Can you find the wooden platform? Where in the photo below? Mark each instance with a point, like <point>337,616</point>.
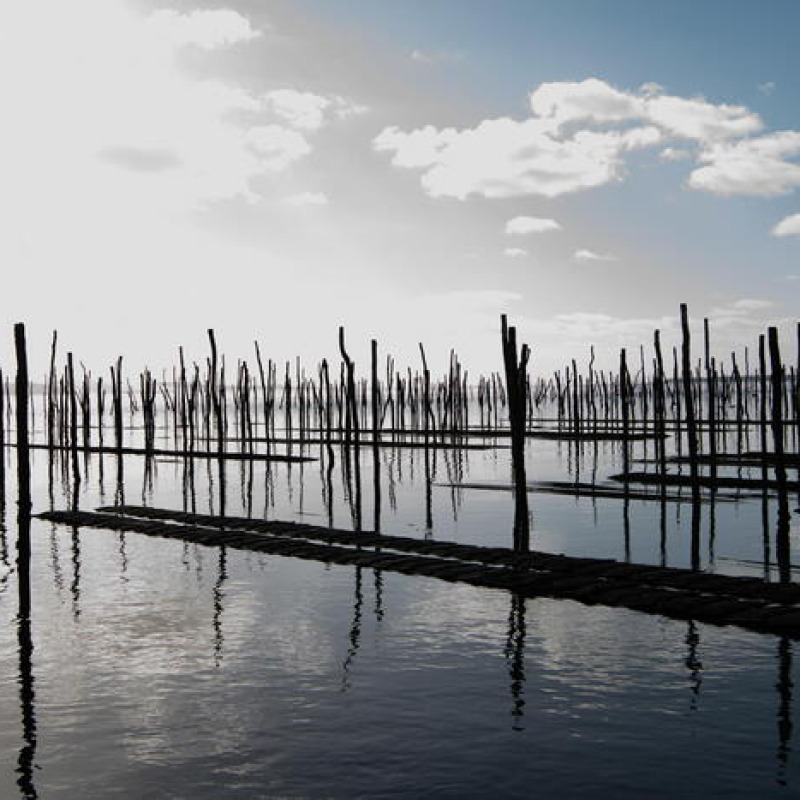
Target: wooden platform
<point>678,593</point>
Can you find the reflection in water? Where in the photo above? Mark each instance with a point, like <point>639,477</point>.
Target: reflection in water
<point>25,762</point>
<point>123,556</point>
<point>189,494</point>
<point>784,687</point>
<point>429,478</point>
<point>75,586</point>
<point>355,631</point>
<point>328,486</point>
<point>695,536</point>
<point>376,488</point>
<point>693,664</point>
<point>119,492</point>
<point>223,489</point>
<point>27,753</point>
<point>515,658</point>
<point>712,525</point>
<point>394,461</point>
<point>626,524</point>
<point>3,539</point>
<point>378,594</point>
<point>765,531</point>
<point>219,596</point>
<point>782,547</point>
<point>55,560</point>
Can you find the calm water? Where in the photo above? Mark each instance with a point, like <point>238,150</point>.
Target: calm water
<point>164,670</point>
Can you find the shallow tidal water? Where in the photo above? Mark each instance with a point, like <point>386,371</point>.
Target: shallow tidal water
<point>158,669</point>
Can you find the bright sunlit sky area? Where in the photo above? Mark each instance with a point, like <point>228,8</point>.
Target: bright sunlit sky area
<point>276,168</point>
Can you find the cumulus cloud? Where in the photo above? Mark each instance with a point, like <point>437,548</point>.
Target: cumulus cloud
<point>590,255</point>
<point>515,252</point>
<point>208,30</point>
<point>788,227</point>
<point>592,99</point>
<point>578,137</point>
<point>506,158</point>
<point>750,166</point>
<point>524,225</point>
<point>697,119</point>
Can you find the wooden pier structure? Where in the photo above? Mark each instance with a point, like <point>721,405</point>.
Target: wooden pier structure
<point>746,602</point>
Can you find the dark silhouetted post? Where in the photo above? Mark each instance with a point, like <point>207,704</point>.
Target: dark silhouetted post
<point>516,384</point>
<point>776,369</point>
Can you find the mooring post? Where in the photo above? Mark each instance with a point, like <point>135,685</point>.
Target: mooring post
<point>625,409</point>
<point>23,474</point>
<point>711,394</point>
<point>25,639</point>
<point>516,384</point>
<point>21,409</point>
<point>777,382</point>
<point>689,416</point>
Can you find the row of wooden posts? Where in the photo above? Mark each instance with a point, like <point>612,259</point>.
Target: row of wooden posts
<point>200,408</point>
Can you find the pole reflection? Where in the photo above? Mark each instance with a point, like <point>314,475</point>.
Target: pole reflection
<point>784,687</point>
<point>515,660</point>
<point>219,597</point>
<point>693,664</point>
<point>355,630</point>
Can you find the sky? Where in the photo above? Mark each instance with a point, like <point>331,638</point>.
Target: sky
<point>274,169</point>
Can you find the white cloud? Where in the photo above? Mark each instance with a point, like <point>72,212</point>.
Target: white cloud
<point>590,255</point>
<point>569,144</point>
<point>767,88</point>
<point>304,110</point>
<point>506,158</point>
<point>750,166</point>
<point>788,227</point>
<point>697,119</point>
<point>591,99</point>
<point>524,225</point>
<point>515,252</point>
<point>208,30</point>
<point>419,148</point>
<point>308,111</point>
<point>308,199</point>
<point>671,154</point>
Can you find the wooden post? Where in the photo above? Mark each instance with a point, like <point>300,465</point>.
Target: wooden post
<point>712,400</point>
<point>689,416</point>
<point>777,383</point>
<point>21,409</point>
<point>516,384</point>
